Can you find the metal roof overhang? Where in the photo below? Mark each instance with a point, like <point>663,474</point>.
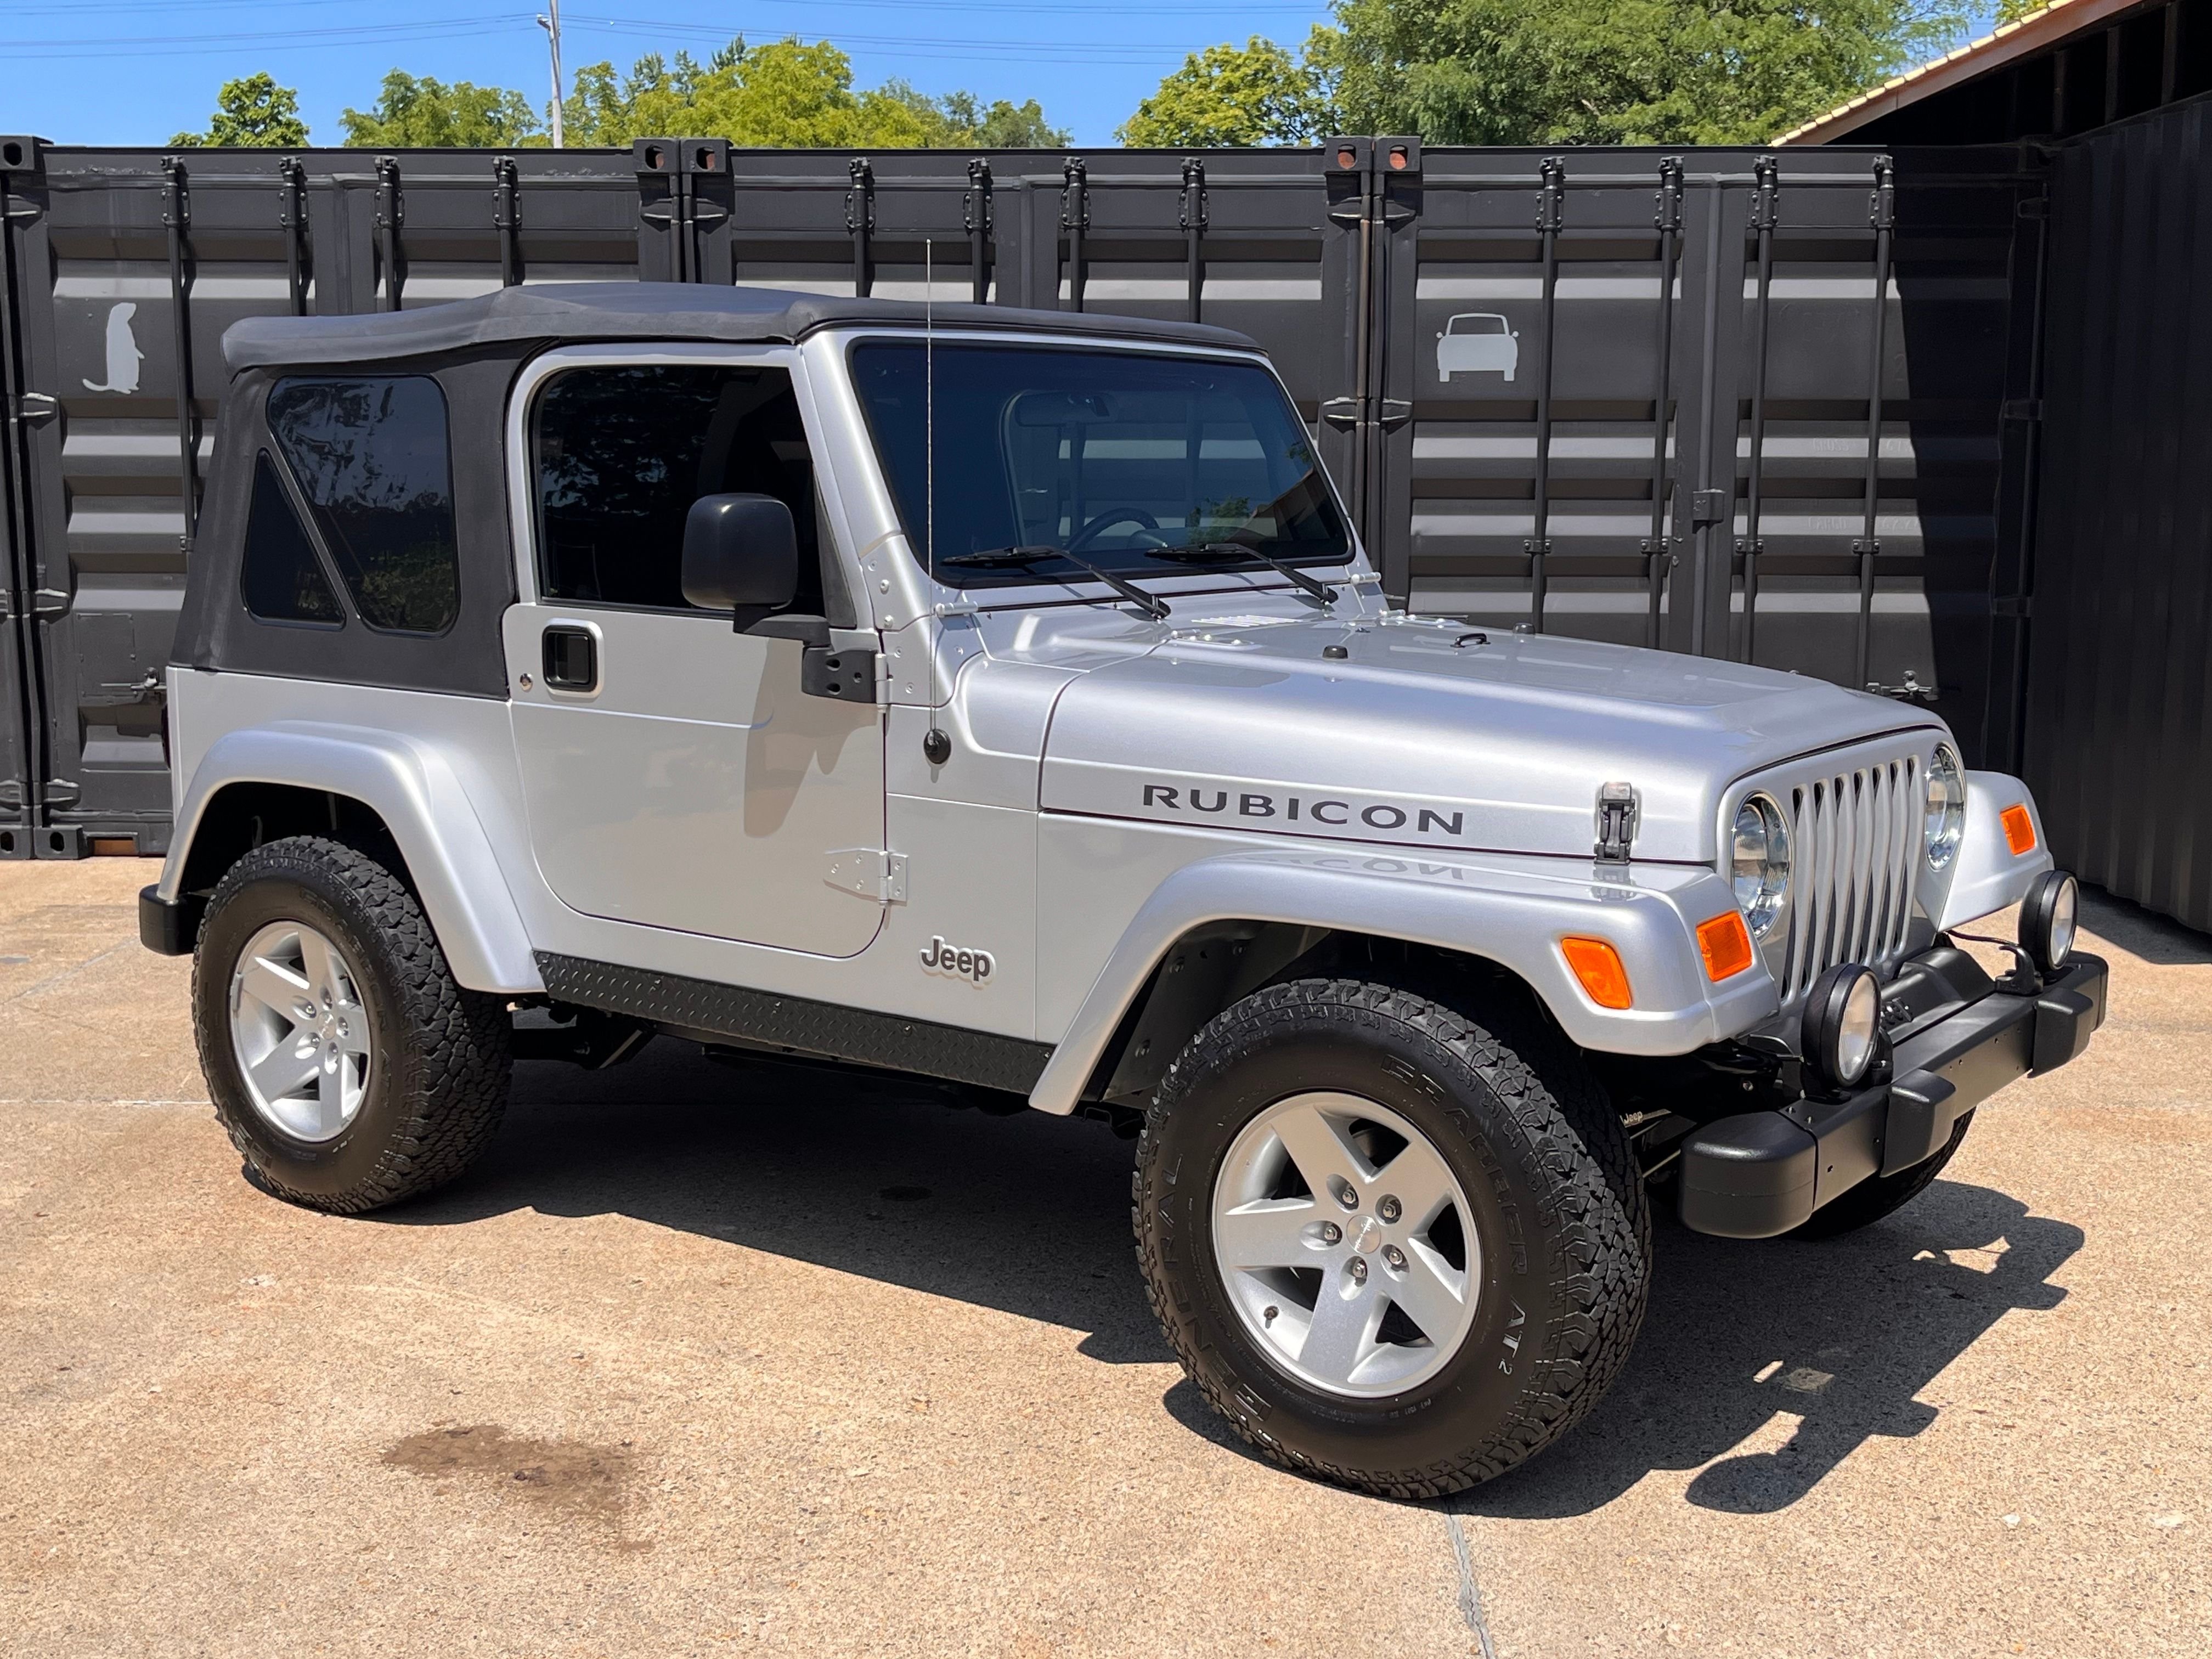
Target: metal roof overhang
<point>2033,33</point>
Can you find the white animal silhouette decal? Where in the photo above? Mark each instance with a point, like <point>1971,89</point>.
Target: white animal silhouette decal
<point>122,353</point>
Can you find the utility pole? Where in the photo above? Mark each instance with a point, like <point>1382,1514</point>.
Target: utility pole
<point>552,27</point>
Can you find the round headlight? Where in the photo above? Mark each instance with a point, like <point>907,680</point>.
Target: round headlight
<point>2046,920</point>
<point>1842,1020</point>
<point>1758,854</point>
<point>1947,809</point>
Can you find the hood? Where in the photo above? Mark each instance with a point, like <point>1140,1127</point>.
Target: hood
<point>1432,733</point>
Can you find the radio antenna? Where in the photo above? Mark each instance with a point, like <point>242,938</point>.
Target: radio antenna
<point>929,404</point>
<point>936,747</point>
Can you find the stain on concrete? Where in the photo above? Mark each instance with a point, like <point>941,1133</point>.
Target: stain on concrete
<point>573,1478</point>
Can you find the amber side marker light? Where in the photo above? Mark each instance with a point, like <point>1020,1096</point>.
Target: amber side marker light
<point>1597,966</point>
<point>2019,829</point>
<point>1725,944</point>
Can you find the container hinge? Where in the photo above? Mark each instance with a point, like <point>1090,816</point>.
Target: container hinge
<point>1397,412</point>
<point>1617,812</point>
<point>870,871</point>
<point>1342,411</point>
<point>2019,605</point>
<point>61,792</point>
<point>1708,507</point>
<point>49,601</point>
<point>2022,408</point>
<point>1766,196</point>
<point>35,407</point>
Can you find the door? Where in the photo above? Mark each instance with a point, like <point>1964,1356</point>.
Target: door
<point>674,773</point>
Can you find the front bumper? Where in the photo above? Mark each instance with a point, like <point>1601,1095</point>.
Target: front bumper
<point>1959,1037</point>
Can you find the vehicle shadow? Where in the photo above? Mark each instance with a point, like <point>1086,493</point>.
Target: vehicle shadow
<point>1029,1214</point>
<point>1843,1335</point>
<point>868,1176</point>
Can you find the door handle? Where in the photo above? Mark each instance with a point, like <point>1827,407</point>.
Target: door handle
<point>571,659</point>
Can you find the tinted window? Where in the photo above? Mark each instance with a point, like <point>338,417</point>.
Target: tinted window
<point>281,579</point>
<point>1138,463</point>
<point>370,456</point>
<point>621,453</point>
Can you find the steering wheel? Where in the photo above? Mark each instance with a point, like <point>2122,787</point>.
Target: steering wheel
<point>1108,519</point>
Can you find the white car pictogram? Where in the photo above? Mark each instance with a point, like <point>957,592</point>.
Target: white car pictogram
<point>1476,343</point>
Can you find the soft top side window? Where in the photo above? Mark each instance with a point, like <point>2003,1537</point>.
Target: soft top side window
<point>620,454</point>
<point>371,456</point>
<point>280,578</point>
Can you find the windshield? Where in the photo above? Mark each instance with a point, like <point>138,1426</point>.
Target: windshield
<point>1142,465</point>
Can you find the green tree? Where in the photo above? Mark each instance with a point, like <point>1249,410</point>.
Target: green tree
<point>253,111</point>
<point>1226,96</point>
<point>787,95</point>
<point>1549,72</point>
<point>1614,72</point>
<point>415,113</point>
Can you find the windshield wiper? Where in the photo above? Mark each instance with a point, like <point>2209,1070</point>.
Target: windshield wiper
<point>1207,551</point>
<point>1019,557</point>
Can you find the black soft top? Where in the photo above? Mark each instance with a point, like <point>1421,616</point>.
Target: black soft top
<point>628,311</point>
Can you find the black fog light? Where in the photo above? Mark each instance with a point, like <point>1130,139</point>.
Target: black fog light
<point>2046,920</point>
<point>1843,1024</point>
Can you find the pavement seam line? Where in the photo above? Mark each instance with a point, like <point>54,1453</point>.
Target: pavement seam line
<point>70,973</point>
<point>1470,1597</point>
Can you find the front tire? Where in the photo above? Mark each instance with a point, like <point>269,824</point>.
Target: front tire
<point>349,1068</point>
<point>1406,1343</point>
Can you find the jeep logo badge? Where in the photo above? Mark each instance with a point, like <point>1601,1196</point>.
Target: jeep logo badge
<point>972,965</point>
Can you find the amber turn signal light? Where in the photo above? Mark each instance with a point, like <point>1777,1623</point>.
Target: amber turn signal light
<point>2019,829</point>
<point>1597,967</point>
<point>1725,944</point>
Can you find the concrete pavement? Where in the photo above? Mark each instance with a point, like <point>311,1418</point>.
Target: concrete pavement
<point>702,1360</point>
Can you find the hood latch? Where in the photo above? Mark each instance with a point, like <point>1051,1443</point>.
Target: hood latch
<point>1616,821</point>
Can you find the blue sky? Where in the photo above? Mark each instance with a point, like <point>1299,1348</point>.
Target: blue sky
<point>135,71</point>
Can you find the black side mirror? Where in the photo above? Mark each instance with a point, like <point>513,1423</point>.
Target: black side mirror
<point>740,552</point>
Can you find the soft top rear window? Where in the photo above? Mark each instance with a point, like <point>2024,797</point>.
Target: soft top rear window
<point>370,455</point>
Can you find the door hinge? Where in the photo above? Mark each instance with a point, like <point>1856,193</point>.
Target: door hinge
<point>870,871</point>
<point>846,673</point>
<point>1616,821</point>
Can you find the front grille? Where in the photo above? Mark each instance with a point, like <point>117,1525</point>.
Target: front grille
<point>1856,839</point>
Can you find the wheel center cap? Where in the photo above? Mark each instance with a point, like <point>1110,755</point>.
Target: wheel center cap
<point>1367,1234</point>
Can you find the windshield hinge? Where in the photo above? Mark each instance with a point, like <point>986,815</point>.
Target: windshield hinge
<point>870,871</point>
<point>1616,821</point>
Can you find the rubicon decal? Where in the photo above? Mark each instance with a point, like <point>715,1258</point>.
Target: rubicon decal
<point>1363,818</point>
<point>957,961</point>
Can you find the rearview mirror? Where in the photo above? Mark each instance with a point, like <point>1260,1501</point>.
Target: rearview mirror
<point>740,552</point>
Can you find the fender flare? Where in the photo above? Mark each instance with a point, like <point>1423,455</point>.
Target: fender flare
<point>1512,911</point>
<point>1988,875</point>
<point>414,789</point>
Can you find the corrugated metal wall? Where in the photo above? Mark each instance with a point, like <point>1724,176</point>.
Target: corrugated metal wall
<point>1726,402</point>
<point>2119,679</point>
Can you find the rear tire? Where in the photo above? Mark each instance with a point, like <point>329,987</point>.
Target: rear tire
<point>349,1069</point>
<point>1877,1196</point>
<point>1549,1256</point>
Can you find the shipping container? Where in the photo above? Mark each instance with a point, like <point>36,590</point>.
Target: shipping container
<point>1733,403</point>
<point>2119,701</point>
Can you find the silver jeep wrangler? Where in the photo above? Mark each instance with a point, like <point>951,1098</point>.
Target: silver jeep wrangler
<point>1001,696</point>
